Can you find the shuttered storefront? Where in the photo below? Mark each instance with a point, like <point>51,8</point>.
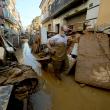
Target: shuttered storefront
<point>77,18</point>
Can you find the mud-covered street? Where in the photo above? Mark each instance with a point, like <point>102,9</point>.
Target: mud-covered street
<point>54,55</point>
<point>67,96</point>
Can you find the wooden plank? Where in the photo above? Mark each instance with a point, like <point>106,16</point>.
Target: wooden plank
<point>78,27</point>
<point>51,32</point>
<point>2,79</point>
<point>25,104</point>
<point>3,43</point>
<point>11,44</point>
<point>5,93</point>
<point>2,57</point>
<point>40,34</point>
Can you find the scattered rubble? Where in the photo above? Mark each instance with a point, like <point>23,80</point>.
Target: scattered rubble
<point>82,85</point>
<point>23,78</point>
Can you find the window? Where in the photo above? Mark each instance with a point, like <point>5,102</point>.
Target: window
<point>49,27</point>
<point>58,2</point>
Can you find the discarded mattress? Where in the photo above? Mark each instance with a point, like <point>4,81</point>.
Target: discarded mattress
<point>93,61</point>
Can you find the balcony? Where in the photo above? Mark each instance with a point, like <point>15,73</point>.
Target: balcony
<point>8,16</point>
<point>46,16</point>
<point>9,3</point>
<point>60,6</point>
<point>14,2</point>
<point>14,13</point>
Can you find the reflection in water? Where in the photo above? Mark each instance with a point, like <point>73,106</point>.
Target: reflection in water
<point>25,57</point>
<point>67,96</point>
<point>44,105</point>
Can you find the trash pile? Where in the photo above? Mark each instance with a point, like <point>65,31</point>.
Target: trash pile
<point>51,34</point>
<point>25,36</point>
<point>22,77</point>
<point>88,48</point>
<point>93,54</point>
<point>32,38</point>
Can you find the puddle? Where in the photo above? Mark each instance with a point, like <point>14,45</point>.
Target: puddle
<point>34,103</point>
<point>67,96</point>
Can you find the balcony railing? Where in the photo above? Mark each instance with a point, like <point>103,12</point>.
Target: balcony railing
<point>9,2</point>
<point>46,15</point>
<point>9,16</point>
<point>59,5</point>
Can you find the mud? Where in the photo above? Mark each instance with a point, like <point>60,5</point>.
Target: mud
<point>67,96</point>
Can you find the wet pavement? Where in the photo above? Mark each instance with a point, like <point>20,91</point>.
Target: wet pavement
<point>67,96</point>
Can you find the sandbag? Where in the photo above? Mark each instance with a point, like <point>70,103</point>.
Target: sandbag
<point>93,61</point>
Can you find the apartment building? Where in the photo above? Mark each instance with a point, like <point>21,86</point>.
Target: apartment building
<point>34,27</point>
<point>46,20</point>
<point>36,23</point>
<point>11,16</point>
<point>104,12</point>
<point>66,12</point>
<point>11,20</point>
<point>1,14</point>
<point>56,13</point>
<point>8,15</point>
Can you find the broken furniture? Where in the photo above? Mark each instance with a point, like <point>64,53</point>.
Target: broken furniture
<point>44,62</point>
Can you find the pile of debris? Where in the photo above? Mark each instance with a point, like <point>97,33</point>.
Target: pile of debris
<point>25,36</point>
<point>93,54</point>
<point>32,38</point>
<point>37,47</point>
<point>88,47</point>
<point>22,78</point>
<point>51,34</point>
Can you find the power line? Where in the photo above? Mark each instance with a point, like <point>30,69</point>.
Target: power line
<point>27,6</point>
<point>25,16</point>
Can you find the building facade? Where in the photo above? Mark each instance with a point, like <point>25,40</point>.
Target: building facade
<point>46,20</point>
<point>65,12</point>
<point>1,14</point>
<point>11,16</point>
<point>11,21</point>
<point>34,27</point>
<point>36,23</point>
<point>104,12</point>
<point>70,12</point>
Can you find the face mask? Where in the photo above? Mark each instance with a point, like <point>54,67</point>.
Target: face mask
<point>63,35</point>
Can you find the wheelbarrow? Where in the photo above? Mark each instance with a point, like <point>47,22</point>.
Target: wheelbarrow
<point>44,62</point>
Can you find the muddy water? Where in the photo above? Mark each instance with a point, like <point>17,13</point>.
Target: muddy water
<point>67,96</point>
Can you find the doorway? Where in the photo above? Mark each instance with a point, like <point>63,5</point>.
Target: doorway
<point>49,27</point>
<point>57,28</point>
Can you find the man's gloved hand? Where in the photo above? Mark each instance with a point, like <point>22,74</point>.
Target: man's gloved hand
<point>52,51</point>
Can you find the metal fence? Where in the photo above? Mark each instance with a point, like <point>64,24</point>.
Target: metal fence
<point>57,4</point>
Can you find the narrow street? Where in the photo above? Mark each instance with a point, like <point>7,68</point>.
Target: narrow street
<point>54,55</point>
<point>67,96</point>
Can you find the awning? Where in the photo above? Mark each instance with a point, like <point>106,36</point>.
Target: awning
<point>16,26</point>
<point>14,12</point>
<point>14,2</point>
